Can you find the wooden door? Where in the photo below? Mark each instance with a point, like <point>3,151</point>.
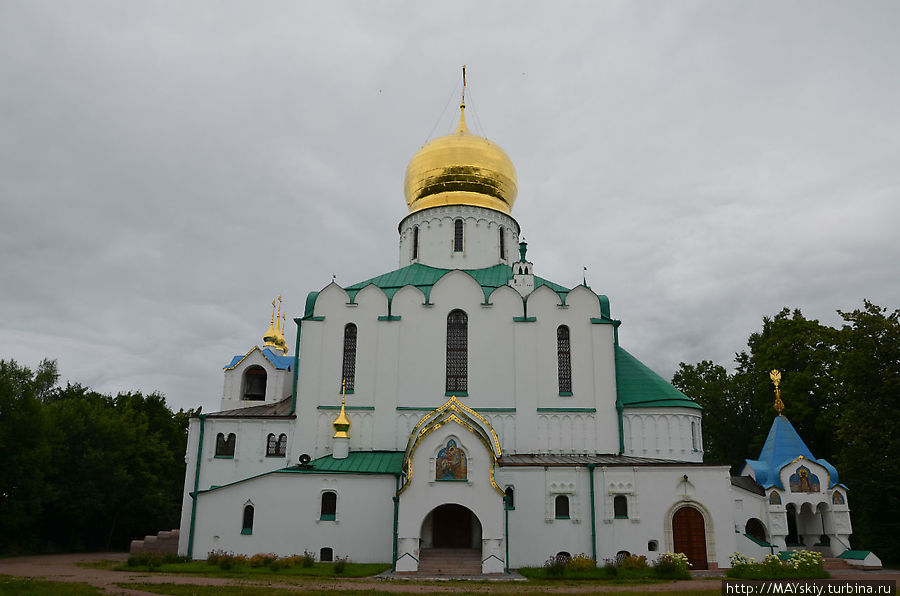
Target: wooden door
<point>452,527</point>
<point>689,534</point>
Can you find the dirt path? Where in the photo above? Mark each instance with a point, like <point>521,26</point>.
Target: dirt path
<point>65,568</point>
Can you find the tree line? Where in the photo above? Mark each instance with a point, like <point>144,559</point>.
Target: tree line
<point>841,389</point>
<point>82,470</point>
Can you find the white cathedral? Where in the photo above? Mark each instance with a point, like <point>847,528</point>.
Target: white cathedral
<point>462,408</point>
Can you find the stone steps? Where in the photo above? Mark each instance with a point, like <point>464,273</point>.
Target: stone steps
<point>449,562</point>
<point>164,542</point>
<point>837,563</point>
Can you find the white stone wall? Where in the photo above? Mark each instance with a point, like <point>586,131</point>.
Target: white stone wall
<point>286,517</point>
<point>481,238</point>
<point>663,433</point>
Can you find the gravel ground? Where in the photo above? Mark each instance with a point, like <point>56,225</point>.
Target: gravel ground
<point>65,568</point>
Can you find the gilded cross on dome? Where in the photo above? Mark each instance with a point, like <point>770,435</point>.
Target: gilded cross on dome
<point>775,375</point>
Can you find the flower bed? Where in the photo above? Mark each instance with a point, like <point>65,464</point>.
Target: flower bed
<point>802,564</point>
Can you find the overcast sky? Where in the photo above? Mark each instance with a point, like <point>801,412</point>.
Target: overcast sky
<point>167,168</point>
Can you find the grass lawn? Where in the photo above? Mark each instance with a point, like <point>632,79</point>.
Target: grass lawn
<point>482,588</point>
<point>23,586</point>
<point>317,570</point>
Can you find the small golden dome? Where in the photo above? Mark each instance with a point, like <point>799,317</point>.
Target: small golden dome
<point>271,336</point>
<point>342,423</point>
<point>461,169</point>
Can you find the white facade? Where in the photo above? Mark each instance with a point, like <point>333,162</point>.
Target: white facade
<point>469,380</point>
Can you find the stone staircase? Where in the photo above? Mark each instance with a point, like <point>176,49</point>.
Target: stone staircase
<point>163,543</point>
<point>449,562</point>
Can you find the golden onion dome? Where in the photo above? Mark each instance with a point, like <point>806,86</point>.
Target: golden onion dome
<point>461,169</point>
<point>342,423</point>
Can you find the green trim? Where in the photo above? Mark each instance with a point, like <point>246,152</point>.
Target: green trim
<point>451,479</point>
<point>327,517</point>
<point>389,318</point>
<point>524,319</point>
<point>565,394</point>
<point>620,517</point>
<point>310,304</point>
<point>396,499</point>
<point>593,513</point>
<point>223,457</point>
<point>562,517</point>
<point>347,391</point>
<point>494,409</point>
<point>190,551</point>
<point>296,369</point>
<point>856,555</point>
<point>604,321</point>
<point>563,410</point>
<point>759,542</point>
<point>246,531</point>
<point>619,410</point>
<point>351,408</point>
<point>322,318</point>
<point>456,393</point>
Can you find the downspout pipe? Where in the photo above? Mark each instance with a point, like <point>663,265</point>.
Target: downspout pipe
<point>396,520</point>
<point>194,495</point>
<point>506,531</point>
<point>593,514</point>
<point>296,368</point>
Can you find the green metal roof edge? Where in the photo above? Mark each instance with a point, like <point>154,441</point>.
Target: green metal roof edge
<point>396,464</point>
<point>310,304</point>
<point>856,555</point>
<point>639,387</point>
<point>758,541</point>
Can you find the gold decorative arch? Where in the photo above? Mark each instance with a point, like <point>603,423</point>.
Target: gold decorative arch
<point>453,411</point>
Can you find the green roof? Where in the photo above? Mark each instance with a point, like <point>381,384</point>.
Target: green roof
<point>856,555</point>
<point>356,462</point>
<point>424,278</point>
<point>640,387</point>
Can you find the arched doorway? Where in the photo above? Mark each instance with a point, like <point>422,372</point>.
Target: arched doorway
<point>451,526</point>
<point>689,536</point>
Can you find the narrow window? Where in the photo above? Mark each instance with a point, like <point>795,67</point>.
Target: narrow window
<point>620,507</point>
<point>271,445</point>
<point>247,524</point>
<point>562,507</point>
<point>457,352</point>
<point>348,373</point>
<point>254,383</point>
<point>415,246</point>
<point>458,235</point>
<point>282,444</point>
<point>694,441</point>
<point>326,554</point>
<point>510,498</point>
<point>564,360</point>
<point>329,505</point>
<point>502,244</point>
<point>225,445</point>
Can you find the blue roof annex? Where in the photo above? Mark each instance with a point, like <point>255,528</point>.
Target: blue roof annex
<point>783,445</point>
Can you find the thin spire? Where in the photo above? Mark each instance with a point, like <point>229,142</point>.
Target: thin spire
<point>342,424</point>
<point>775,375</point>
<point>462,106</point>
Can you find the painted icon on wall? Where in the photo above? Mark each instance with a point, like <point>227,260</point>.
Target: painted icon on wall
<point>837,498</point>
<point>774,498</point>
<point>451,462</point>
<point>803,481</point>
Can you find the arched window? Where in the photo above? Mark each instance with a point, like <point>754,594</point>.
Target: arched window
<point>282,444</point>
<point>561,506</point>
<point>415,243</point>
<point>458,235</point>
<point>620,507</point>
<point>502,244</point>
<point>329,505</point>
<point>326,554</point>
<point>254,388</point>
<point>225,445</point>
<point>564,360</point>
<point>247,523</point>
<point>276,447</point>
<point>756,529</point>
<point>510,500</point>
<point>694,442</point>
<point>457,352</point>
<point>348,372</point>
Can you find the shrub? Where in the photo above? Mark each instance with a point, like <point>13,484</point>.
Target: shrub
<point>634,563</point>
<point>672,566</point>
<point>261,559</point>
<point>340,564</point>
<point>307,559</point>
<point>276,564</point>
<point>214,555</point>
<point>610,569</point>
<point>556,565</point>
<point>795,565</point>
<point>580,563</point>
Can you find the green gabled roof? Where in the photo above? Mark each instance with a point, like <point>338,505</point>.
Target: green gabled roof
<point>424,278</point>
<point>639,387</point>
<point>356,462</point>
<point>856,555</point>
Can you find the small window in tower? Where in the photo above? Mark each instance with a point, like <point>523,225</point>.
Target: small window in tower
<point>282,444</point>
<point>329,505</point>
<point>620,507</point>
<point>561,506</point>
<point>254,383</point>
<point>564,360</point>
<point>271,445</point>
<point>457,352</point>
<point>415,244</point>
<point>502,244</point>
<point>247,524</point>
<point>348,373</point>
<point>458,235</point>
<point>694,439</point>
<point>225,445</point>
<point>510,499</point>
<point>326,554</point>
